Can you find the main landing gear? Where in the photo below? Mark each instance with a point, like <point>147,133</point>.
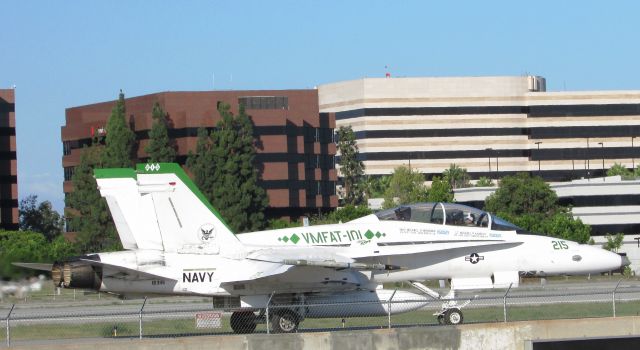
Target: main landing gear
<point>243,322</point>
<point>280,321</point>
<point>450,312</point>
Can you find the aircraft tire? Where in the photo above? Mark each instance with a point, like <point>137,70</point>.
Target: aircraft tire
<point>285,321</point>
<point>453,316</point>
<point>243,322</point>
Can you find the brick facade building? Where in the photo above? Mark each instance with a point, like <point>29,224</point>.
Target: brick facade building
<point>295,153</point>
<point>8,161</point>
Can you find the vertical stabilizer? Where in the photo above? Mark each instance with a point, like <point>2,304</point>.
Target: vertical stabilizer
<point>160,206</point>
<point>120,189</point>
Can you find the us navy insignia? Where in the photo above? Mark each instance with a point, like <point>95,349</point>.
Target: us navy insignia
<point>474,258</point>
<point>207,232</point>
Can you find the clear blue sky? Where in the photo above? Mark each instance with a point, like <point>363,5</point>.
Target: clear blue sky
<point>61,54</point>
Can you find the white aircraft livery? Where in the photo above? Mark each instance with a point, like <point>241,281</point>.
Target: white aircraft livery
<point>176,243</point>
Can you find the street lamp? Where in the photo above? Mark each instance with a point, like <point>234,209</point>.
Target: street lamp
<point>602,151</point>
<point>489,150</point>
<point>538,155</point>
<point>633,159</point>
<point>587,160</point>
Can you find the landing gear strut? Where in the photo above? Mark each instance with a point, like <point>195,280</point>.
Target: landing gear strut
<point>450,312</point>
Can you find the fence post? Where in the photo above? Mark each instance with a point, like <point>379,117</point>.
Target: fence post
<point>613,297</point>
<point>140,319</point>
<point>8,327</point>
<point>266,314</point>
<point>504,302</point>
<point>389,306</point>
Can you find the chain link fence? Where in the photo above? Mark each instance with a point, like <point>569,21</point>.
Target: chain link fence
<point>171,317</point>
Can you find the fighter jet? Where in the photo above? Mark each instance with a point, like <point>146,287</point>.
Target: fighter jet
<point>176,243</point>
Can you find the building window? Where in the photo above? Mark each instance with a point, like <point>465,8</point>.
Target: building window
<point>68,172</point>
<point>264,102</point>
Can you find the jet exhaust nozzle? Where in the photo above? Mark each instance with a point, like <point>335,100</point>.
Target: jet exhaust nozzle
<point>76,273</point>
<point>56,274</point>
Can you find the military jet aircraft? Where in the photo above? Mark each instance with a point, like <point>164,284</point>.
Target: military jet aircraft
<point>176,243</point>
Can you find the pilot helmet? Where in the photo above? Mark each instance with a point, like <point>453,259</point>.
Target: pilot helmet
<point>468,217</point>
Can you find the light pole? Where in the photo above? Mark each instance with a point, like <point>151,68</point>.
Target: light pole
<point>587,159</point>
<point>633,159</point>
<point>538,155</point>
<point>489,151</point>
<point>602,151</point>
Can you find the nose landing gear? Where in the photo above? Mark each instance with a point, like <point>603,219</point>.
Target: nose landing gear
<point>450,312</point>
<point>450,316</point>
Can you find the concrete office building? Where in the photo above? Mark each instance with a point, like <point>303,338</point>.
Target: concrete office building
<point>295,153</point>
<point>492,126</point>
<point>496,126</point>
<point>8,161</point>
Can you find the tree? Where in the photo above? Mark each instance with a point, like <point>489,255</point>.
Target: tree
<point>20,246</point>
<point>530,203</point>
<point>87,210</point>
<point>375,187</point>
<point>120,139</point>
<point>160,147</point>
<point>614,242</point>
<point>405,185</point>
<point>456,176</point>
<point>563,225</point>
<point>201,164</point>
<point>523,194</point>
<point>29,246</point>
<point>619,169</point>
<point>440,191</point>
<point>484,181</point>
<point>223,168</point>
<point>344,214</point>
<point>40,217</point>
<point>351,168</point>
<point>276,224</point>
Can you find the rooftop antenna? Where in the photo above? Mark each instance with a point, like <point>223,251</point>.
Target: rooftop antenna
<point>214,80</point>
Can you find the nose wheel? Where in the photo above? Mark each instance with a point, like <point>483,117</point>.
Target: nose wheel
<point>450,312</point>
<point>451,316</point>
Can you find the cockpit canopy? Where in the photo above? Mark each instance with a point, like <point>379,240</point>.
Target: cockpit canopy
<point>446,214</point>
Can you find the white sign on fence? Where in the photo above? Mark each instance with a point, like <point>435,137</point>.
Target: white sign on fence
<point>209,319</point>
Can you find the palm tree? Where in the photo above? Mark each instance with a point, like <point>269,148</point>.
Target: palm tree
<point>456,176</point>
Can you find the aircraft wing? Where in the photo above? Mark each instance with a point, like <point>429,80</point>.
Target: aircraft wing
<point>424,248</point>
<point>34,266</point>
<point>366,257</point>
<point>125,272</point>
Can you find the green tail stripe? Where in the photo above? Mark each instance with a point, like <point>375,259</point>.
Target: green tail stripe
<point>160,168</point>
<point>114,173</point>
